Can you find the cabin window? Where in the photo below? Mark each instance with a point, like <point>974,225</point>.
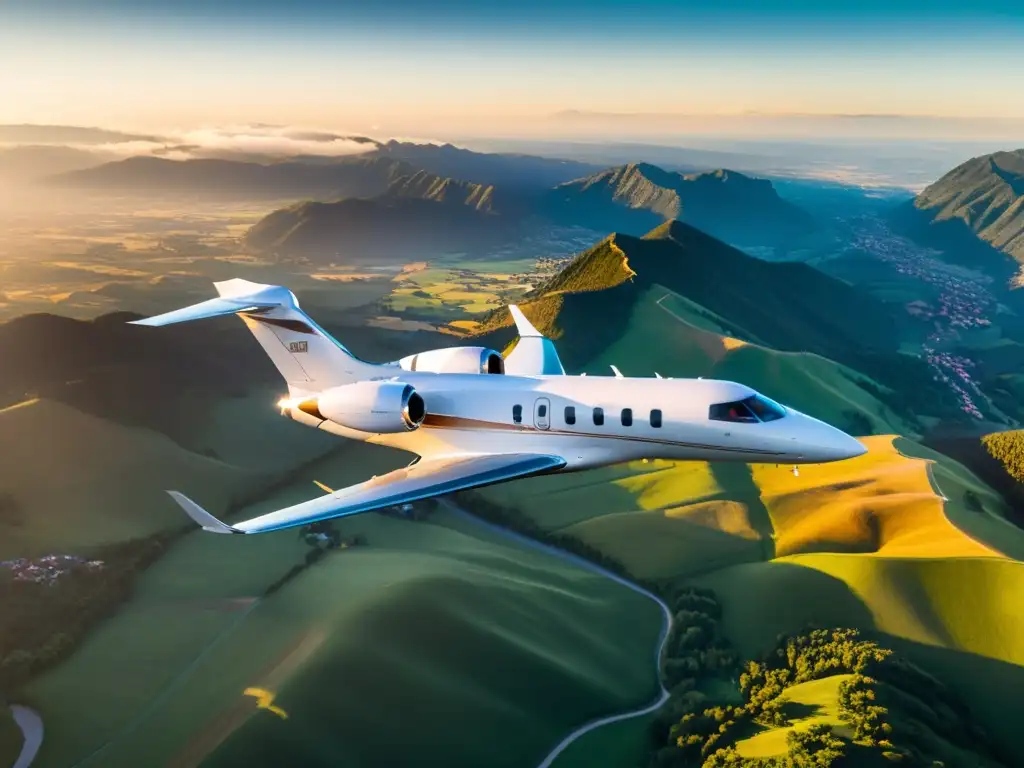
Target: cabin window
<point>752,409</point>
<point>570,414</point>
<point>656,418</point>
<point>598,417</point>
<point>517,414</point>
<point>542,411</point>
<point>627,417</point>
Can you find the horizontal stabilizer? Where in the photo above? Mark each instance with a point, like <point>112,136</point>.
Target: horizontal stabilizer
<point>425,478</point>
<point>202,310</point>
<point>235,296</point>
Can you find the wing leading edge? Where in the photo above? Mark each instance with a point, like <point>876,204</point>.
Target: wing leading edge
<point>425,478</point>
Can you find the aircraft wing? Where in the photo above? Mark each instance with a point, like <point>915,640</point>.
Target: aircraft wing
<point>421,480</point>
<point>535,354</point>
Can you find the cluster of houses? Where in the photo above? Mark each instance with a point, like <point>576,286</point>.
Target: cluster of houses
<point>962,304</point>
<point>47,569</point>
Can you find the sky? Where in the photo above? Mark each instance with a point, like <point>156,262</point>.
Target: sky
<point>560,68</point>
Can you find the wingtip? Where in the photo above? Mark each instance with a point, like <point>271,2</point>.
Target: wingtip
<point>199,515</point>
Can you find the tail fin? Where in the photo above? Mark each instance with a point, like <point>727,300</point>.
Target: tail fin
<point>309,359</point>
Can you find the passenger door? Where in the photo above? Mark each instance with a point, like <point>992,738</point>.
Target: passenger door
<point>542,413</point>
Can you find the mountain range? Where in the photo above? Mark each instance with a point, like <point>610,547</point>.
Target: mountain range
<point>309,175</point>
<point>973,210</point>
<point>634,198</point>
<point>428,214</point>
<point>354,175</point>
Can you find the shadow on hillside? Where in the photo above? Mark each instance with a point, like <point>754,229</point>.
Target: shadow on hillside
<point>798,710</point>
<point>762,601</point>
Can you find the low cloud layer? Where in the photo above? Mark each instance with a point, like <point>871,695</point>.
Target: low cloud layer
<point>268,140</point>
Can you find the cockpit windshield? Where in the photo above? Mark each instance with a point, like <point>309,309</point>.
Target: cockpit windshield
<point>753,409</point>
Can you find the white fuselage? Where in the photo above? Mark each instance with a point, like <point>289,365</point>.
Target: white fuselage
<point>503,414</point>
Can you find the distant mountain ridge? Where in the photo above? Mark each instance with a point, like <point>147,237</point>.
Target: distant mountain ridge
<point>308,175</point>
<point>629,199</point>
<point>979,203</point>
<point>635,197</point>
<point>353,175</point>
<point>428,186</point>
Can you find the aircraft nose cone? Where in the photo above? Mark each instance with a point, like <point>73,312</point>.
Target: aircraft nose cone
<point>850,447</point>
<point>823,442</point>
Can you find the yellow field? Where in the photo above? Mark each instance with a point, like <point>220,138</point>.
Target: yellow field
<point>880,503</point>
<point>821,700</point>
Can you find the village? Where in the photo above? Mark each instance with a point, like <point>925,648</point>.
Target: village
<point>963,303</point>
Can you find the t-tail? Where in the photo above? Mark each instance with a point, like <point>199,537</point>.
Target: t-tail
<point>309,358</point>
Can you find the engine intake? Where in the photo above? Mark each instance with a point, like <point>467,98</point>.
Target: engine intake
<point>370,406</point>
<point>456,360</point>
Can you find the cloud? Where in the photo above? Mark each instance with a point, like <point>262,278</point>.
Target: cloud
<point>263,140</point>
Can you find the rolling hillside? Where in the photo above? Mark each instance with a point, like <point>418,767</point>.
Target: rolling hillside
<point>637,197</point>
<point>888,542</point>
<point>71,481</point>
<point>611,303</point>
<point>480,651</point>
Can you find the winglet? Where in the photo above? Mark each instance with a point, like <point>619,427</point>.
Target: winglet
<point>524,326</point>
<point>200,515</point>
<point>617,372</point>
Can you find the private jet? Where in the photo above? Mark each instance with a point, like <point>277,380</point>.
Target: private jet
<point>473,417</point>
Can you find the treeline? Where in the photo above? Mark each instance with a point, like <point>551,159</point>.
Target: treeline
<point>42,621</point>
<point>316,534</point>
<point>894,711</point>
<point>514,520</point>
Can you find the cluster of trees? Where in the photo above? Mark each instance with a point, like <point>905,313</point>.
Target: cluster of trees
<point>892,709</point>
<point>42,621</point>
<point>815,747</point>
<point>514,520</point>
<point>1008,449</point>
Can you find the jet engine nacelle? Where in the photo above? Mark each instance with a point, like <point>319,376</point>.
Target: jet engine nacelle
<point>455,360</point>
<point>370,406</point>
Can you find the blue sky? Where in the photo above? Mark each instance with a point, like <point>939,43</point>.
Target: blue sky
<point>416,67</point>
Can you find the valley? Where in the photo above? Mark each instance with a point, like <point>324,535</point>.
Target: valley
<point>474,646</point>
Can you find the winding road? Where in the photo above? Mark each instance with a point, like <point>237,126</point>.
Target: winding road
<point>31,725</point>
<point>666,626</point>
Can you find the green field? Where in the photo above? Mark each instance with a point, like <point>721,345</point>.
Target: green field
<point>625,743</point>
<point>477,650</point>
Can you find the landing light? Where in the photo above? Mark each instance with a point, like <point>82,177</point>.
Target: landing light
<point>286,403</point>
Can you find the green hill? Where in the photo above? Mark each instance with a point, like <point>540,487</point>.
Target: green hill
<point>626,293</point>
<point>436,643</point>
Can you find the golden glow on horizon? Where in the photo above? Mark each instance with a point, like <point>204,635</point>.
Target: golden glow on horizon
<point>435,90</point>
